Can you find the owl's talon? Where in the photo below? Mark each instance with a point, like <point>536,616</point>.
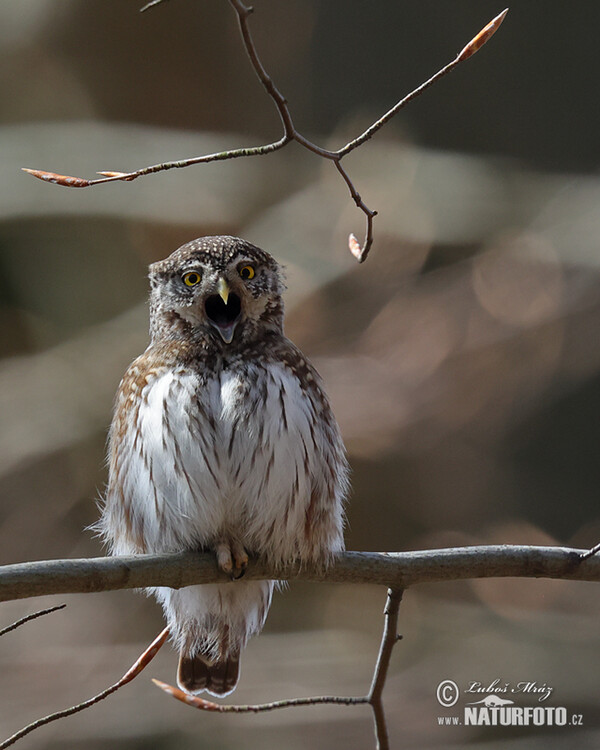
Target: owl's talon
<point>240,558</point>
<point>232,558</point>
<point>224,559</point>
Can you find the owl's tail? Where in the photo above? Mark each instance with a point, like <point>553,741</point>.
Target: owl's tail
<point>210,625</point>
<point>198,673</point>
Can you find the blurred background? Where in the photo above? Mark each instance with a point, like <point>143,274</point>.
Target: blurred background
<point>462,358</point>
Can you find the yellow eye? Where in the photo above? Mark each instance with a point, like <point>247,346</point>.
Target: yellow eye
<point>247,272</point>
<point>192,278</point>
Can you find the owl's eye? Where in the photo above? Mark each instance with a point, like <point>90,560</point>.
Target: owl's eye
<point>247,272</point>
<point>192,278</point>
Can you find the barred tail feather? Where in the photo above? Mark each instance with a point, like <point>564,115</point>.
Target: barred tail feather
<point>198,673</point>
<point>210,624</point>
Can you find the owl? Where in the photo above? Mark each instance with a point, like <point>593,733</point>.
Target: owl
<point>222,440</point>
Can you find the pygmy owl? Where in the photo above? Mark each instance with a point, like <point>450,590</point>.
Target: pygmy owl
<point>222,439</point>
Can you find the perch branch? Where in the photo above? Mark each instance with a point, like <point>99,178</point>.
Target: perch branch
<point>32,616</point>
<point>396,570</point>
<point>131,673</point>
<point>290,133</point>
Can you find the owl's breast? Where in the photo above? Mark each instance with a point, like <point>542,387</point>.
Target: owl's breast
<point>237,451</point>
<point>281,451</point>
<point>267,425</point>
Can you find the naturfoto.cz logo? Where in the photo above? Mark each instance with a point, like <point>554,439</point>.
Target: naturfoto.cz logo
<point>495,710</point>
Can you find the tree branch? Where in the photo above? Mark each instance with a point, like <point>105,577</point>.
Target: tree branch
<point>257,708</point>
<point>290,133</point>
<point>388,640</point>
<point>591,552</point>
<point>396,570</point>
<point>470,49</point>
<point>131,673</point>
<point>30,617</point>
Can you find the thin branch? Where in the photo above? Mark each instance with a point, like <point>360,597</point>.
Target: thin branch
<point>243,12</point>
<point>204,705</point>
<point>131,673</point>
<point>151,4</point>
<point>80,182</point>
<point>33,616</point>
<point>290,133</point>
<point>396,570</point>
<point>359,252</point>
<point>473,46</point>
<point>591,552</point>
<point>388,641</point>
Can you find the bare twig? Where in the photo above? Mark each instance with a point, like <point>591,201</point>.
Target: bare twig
<point>388,641</point>
<point>396,570</point>
<point>131,673</point>
<point>33,616</point>
<point>204,705</point>
<point>590,552</point>
<point>243,12</point>
<point>151,4</point>
<point>290,133</point>
<point>473,46</point>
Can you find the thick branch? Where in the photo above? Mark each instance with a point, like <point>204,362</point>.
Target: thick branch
<point>396,570</point>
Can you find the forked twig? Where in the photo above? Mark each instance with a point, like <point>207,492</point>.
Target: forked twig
<point>33,616</point>
<point>374,698</point>
<point>290,133</point>
<point>131,673</point>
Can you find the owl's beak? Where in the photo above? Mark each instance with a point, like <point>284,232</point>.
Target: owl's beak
<point>223,310</point>
<point>223,289</point>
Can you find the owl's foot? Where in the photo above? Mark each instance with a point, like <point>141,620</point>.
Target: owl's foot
<point>232,558</point>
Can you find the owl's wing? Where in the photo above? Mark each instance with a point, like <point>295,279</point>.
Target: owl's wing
<point>327,466</point>
<point>120,525</point>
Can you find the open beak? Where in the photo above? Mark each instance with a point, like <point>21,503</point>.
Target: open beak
<point>223,310</point>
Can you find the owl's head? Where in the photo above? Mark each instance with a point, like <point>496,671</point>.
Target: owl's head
<point>220,289</point>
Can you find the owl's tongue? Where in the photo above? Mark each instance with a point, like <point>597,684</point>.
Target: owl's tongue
<point>223,317</point>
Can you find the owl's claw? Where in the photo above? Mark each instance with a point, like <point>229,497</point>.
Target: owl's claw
<point>240,560</point>
<point>232,558</point>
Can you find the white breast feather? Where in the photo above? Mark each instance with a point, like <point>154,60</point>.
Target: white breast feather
<point>220,457</point>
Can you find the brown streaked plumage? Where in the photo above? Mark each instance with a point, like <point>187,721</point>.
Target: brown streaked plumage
<point>222,439</point>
